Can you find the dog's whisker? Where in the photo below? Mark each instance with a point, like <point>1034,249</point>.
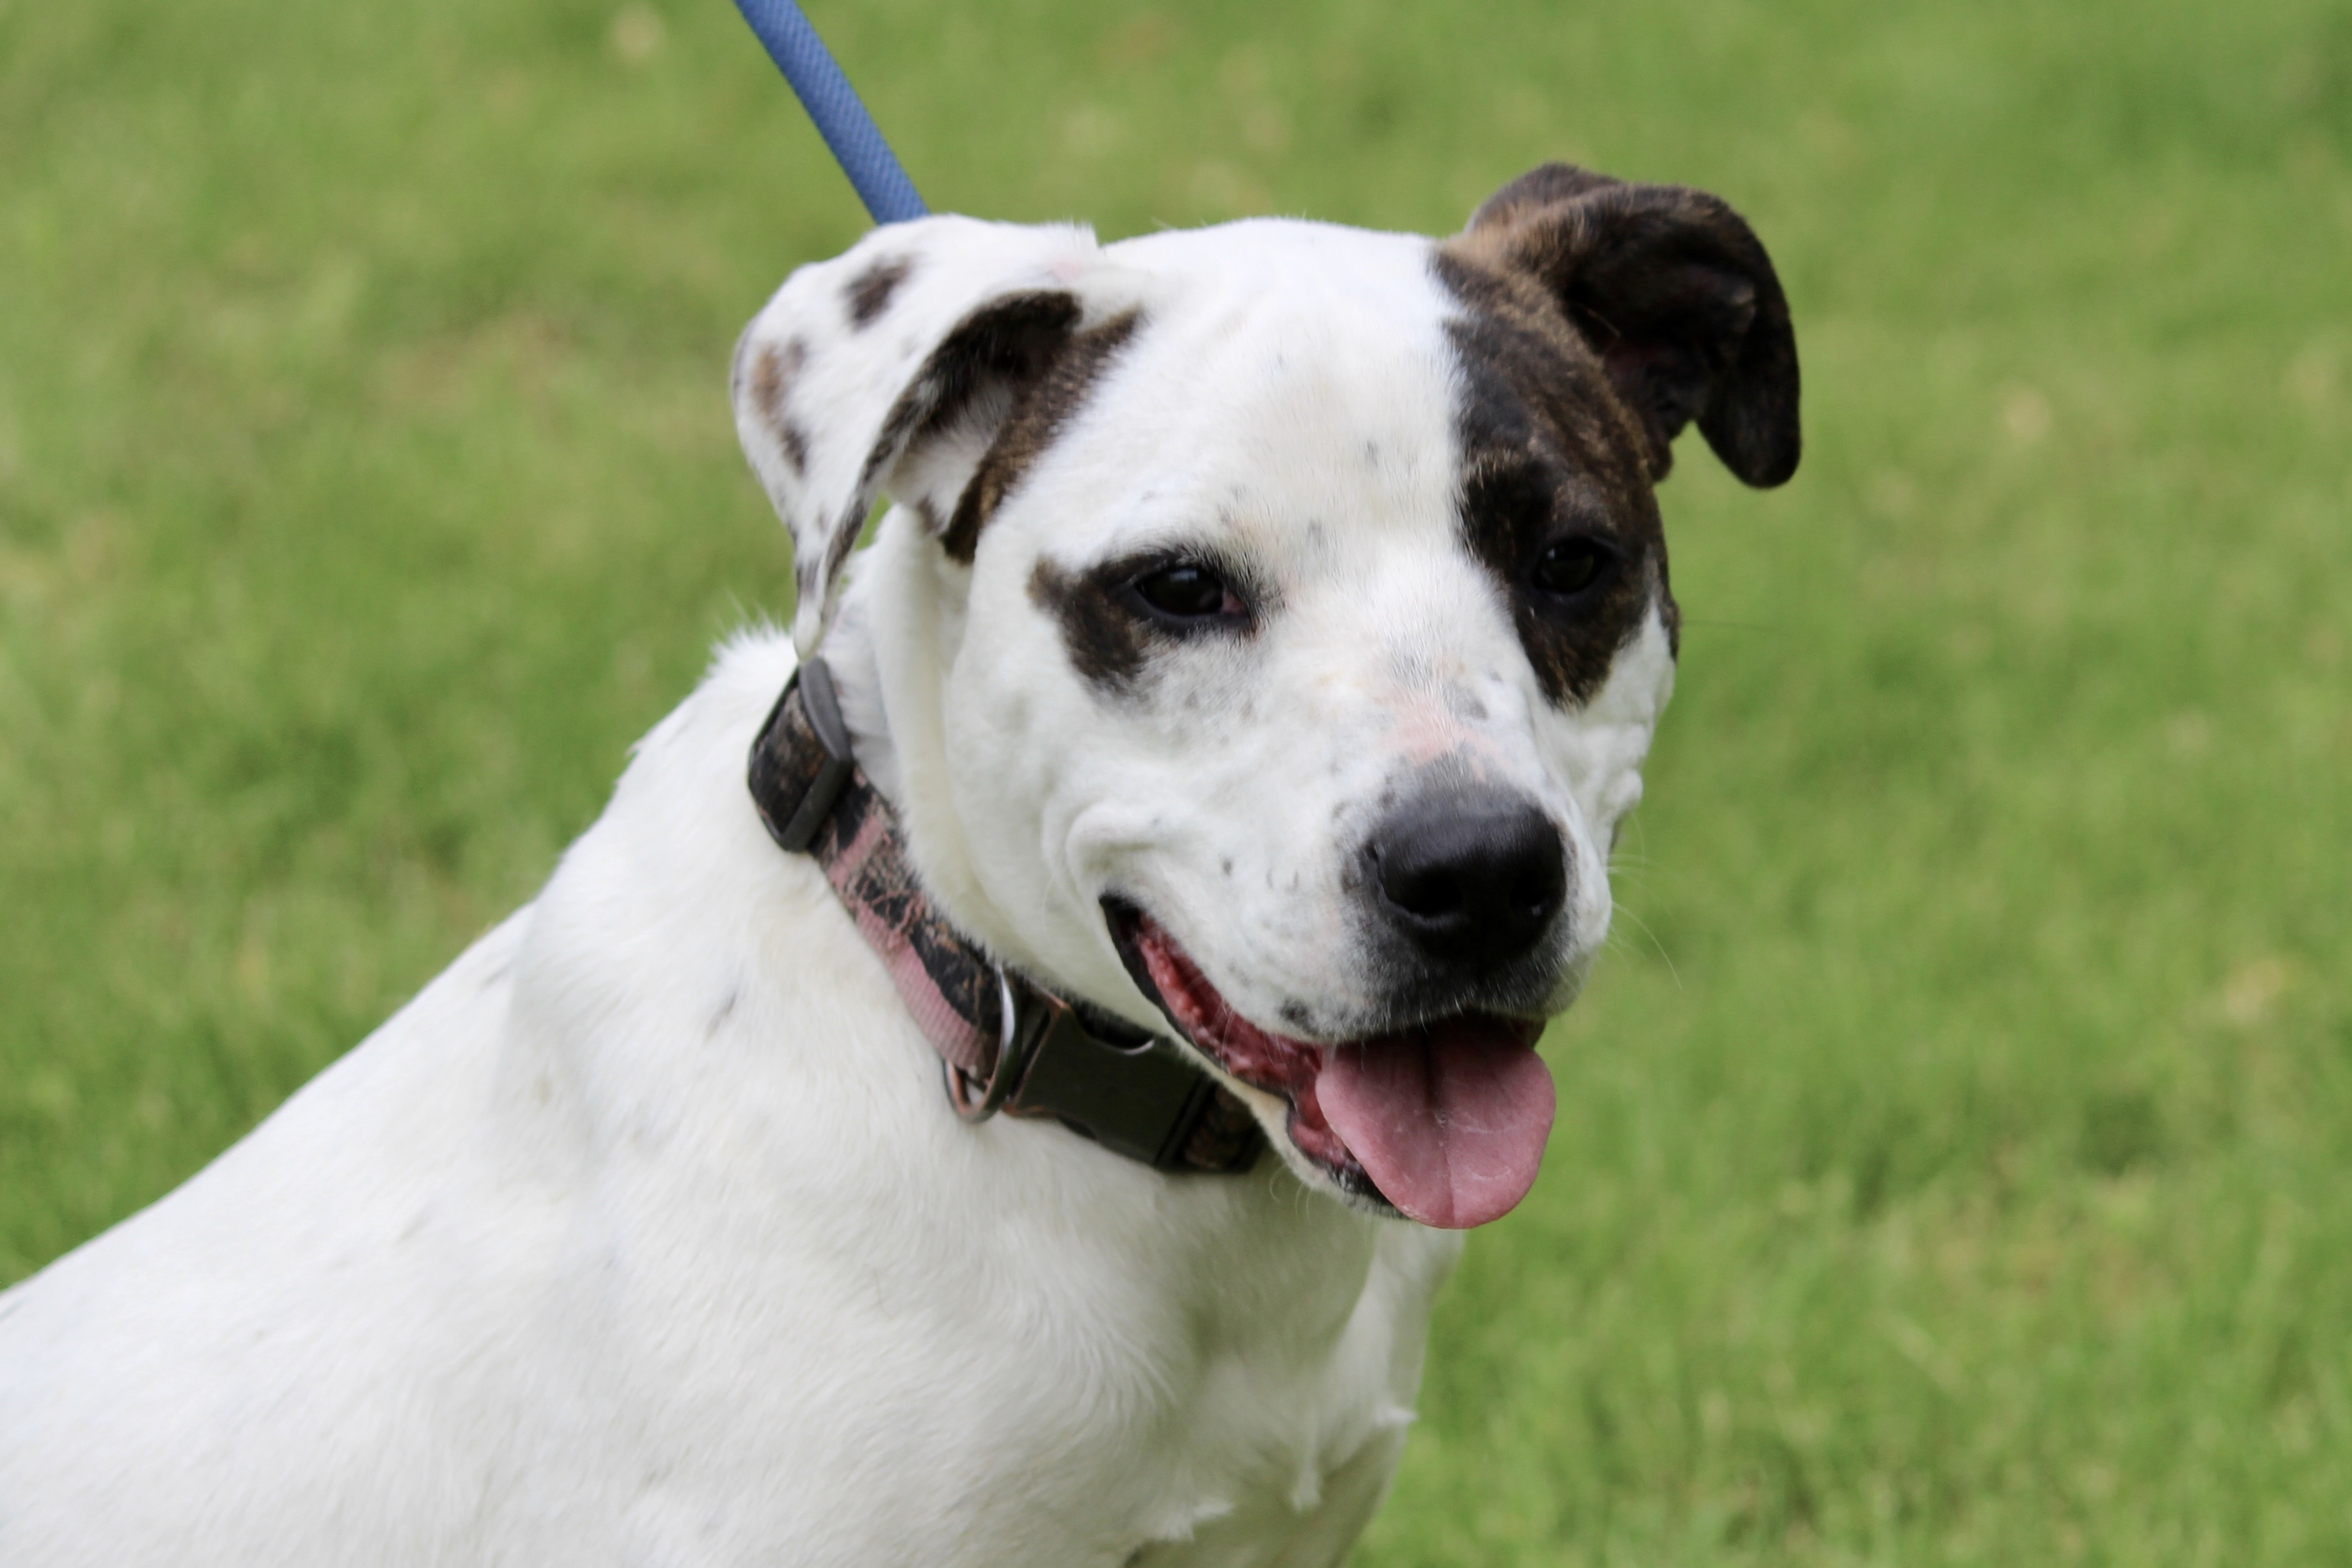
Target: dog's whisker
<point>1643,927</point>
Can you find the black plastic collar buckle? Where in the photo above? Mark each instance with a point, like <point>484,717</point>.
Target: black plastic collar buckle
<point>1137,1097</point>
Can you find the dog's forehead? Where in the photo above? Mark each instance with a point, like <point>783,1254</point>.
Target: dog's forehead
<point>1285,374</point>
<point>1291,265</point>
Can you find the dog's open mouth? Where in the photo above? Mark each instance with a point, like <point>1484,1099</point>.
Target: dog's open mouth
<point>1446,1121</point>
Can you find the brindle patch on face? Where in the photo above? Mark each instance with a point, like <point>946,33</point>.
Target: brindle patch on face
<point>1675,294</point>
<point>1549,452</point>
<point>1112,632</point>
<point>1536,189</point>
<point>1106,642</point>
<point>1041,409</point>
<point>772,377</point>
<point>868,294</point>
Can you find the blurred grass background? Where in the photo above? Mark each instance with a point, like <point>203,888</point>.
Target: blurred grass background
<point>1955,1159</point>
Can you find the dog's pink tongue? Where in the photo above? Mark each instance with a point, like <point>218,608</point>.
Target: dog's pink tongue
<point>1449,1120</point>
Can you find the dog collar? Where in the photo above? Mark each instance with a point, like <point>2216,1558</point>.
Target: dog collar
<point>1005,1043</point>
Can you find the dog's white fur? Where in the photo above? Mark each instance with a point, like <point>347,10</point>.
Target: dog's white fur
<point>644,1235</point>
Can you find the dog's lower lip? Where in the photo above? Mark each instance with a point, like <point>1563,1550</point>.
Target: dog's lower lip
<point>1290,1074</point>
<point>1126,922</point>
<point>1130,927</point>
<point>1444,1120</point>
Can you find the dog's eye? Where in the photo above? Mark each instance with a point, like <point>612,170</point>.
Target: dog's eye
<point>1570,566</point>
<point>1187,592</point>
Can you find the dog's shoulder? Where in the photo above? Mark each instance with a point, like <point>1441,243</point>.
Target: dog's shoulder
<point>295,1302</point>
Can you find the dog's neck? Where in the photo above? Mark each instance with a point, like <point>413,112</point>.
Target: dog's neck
<point>857,681</point>
<point>899,628</point>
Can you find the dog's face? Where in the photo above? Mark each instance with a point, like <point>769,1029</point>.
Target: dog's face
<point>1297,617</point>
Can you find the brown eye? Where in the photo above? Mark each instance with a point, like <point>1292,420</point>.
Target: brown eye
<point>1187,593</point>
<point>1570,566</point>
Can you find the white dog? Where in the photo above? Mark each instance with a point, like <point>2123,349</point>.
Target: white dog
<point>1261,653</point>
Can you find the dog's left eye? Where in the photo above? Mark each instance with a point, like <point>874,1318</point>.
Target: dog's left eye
<point>1188,592</point>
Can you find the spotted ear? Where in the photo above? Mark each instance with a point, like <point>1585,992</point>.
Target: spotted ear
<point>1674,291</point>
<point>891,368</point>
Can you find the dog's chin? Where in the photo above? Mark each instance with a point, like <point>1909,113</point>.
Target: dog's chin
<point>1442,1121</point>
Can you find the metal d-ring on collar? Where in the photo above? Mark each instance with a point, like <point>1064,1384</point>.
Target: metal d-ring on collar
<point>1018,1029</point>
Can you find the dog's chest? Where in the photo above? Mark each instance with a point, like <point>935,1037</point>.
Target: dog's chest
<point>1229,1385</point>
<point>1222,1405</point>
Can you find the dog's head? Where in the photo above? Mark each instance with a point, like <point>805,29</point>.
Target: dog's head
<point>1275,616</point>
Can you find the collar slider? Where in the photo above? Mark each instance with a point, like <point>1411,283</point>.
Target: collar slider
<point>778,756</point>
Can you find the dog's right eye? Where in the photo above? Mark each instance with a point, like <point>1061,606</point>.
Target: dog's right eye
<point>1188,592</point>
<point>1570,570</point>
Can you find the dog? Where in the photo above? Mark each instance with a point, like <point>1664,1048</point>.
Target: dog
<point>1242,693</point>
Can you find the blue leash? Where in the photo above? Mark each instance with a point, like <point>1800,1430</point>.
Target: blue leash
<point>841,119</point>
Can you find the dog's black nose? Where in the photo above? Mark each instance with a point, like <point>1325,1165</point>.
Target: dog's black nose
<point>1470,875</point>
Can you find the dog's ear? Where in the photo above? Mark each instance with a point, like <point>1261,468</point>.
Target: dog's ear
<point>1674,291</point>
<point>894,367</point>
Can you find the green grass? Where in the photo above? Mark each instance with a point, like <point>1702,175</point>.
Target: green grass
<point>1955,1161</point>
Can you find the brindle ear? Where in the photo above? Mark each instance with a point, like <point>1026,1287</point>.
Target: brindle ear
<point>1675,294</point>
<point>893,368</point>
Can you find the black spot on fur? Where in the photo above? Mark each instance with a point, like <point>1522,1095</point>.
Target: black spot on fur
<point>1041,408</point>
<point>868,294</point>
<point>726,1010</point>
<point>773,369</point>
